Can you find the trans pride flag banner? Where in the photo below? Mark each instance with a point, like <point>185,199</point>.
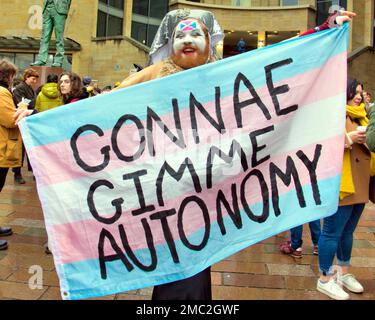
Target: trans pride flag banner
<point>156,182</point>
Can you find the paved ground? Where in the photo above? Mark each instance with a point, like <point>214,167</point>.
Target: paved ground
<point>259,272</point>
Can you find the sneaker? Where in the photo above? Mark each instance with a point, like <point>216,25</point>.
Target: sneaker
<point>350,282</point>
<point>332,290</point>
<point>5,231</point>
<point>286,248</point>
<point>19,180</point>
<point>315,250</point>
<point>3,245</point>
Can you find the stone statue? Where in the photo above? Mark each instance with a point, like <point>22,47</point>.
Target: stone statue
<point>55,13</point>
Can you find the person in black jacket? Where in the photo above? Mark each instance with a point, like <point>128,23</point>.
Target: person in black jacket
<point>24,90</point>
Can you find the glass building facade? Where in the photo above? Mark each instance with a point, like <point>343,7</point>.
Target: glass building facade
<point>146,18</point>
<point>110,18</point>
<point>289,2</point>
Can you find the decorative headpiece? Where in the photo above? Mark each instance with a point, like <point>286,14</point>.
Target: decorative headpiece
<point>161,47</point>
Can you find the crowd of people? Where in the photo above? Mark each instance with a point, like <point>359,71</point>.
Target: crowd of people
<point>19,94</point>
<point>334,239</point>
<point>56,91</point>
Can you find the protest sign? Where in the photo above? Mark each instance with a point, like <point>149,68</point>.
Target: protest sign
<point>156,182</point>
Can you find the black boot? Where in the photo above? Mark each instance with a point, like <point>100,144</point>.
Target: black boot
<point>18,179</point>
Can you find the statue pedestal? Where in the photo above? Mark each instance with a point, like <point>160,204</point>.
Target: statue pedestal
<point>44,71</point>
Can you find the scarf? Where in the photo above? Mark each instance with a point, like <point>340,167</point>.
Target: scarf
<point>347,185</point>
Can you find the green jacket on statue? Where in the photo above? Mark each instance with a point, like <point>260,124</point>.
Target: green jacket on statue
<point>62,6</point>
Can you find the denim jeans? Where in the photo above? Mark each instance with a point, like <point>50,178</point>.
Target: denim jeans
<point>296,234</point>
<point>337,237</point>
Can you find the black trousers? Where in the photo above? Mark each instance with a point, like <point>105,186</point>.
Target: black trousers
<point>17,171</point>
<point>197,287</point>
<point>3,176</point>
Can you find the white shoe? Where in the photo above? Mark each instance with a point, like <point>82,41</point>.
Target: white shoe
<point>332,290</point>
<point>350,282</point>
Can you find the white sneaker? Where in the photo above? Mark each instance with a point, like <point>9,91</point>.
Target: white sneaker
<point>332,290</point>
<point>350,282</point>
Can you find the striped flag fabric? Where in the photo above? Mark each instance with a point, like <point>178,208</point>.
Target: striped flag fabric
<point>156,182</point>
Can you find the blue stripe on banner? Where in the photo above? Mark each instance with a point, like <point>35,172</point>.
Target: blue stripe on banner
<point>81,274</point>
<point>308,53</point>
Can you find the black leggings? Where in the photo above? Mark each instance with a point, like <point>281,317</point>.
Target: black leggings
<point>197,287</point>
<point>3,176</point>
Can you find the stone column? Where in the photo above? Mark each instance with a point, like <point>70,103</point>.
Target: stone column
<point>369,22</point>
<point>350,8</point>
<point>128,16</point>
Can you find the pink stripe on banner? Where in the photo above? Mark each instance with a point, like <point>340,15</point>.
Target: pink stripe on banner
<point>72,249</point>
<point>62,155</point>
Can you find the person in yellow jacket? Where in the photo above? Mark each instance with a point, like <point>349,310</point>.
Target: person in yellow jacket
<point>10,137</point>
<point>337,234</point>
<point>49,97</point>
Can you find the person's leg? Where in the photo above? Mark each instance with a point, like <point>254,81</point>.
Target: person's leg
<point>344,251</point>
<point>294,246</point>
<point>315,230</point>
<point>197,287</point>
<point>18,176</point>
<point>4,231</point>
<point>333,227</point>
<point>296,237</point>
<point>29,167</point>
<point>3,176</point>
<point>17,171</point>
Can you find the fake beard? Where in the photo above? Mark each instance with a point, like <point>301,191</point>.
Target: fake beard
<point>190,60</point>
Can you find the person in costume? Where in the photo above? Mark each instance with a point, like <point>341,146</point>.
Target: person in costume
<point>187,39</point>
<point>337,233</point>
